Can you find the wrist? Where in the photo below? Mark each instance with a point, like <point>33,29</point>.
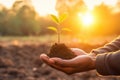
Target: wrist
<point>92,54</point>
<point>93,60</point>
<point>93,63</point>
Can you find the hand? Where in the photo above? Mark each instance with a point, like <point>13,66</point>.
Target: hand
<point>83,62</point>
<point>78,51</point>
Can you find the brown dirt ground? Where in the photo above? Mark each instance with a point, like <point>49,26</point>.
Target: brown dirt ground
<point>23,63</point>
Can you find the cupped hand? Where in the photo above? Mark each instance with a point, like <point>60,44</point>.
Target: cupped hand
<point>83,62</point>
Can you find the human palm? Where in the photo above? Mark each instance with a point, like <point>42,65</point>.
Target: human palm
<point>83,62</point>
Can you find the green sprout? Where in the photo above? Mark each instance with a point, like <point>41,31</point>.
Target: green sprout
<point>58,29</point>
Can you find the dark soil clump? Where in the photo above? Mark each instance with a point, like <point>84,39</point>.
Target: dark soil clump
<point>61,51</point>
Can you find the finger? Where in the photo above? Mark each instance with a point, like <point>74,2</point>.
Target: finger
<point>55,61</point>
<point>46,59</point>
<point>67,70</point>
<point>62,62</point>
<point>71,62</point>
<point>52,62</point>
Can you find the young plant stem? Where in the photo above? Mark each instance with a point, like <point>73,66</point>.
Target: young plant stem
<point>58,37</point>
<point>59,34</point>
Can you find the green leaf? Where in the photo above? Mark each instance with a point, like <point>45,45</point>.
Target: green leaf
<point>66,29</point>
<point>52,28</point>
<point>62,17</point>
<point>55,18</point>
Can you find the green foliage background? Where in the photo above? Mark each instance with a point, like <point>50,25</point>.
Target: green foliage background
<point>22,20</point>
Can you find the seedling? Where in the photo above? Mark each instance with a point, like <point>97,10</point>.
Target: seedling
<point>60,49</point>
<point>58,29</point>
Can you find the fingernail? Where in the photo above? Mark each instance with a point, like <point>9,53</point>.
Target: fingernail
<point>43,55</point>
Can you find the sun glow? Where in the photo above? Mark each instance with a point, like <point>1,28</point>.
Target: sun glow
<point>87,19</point>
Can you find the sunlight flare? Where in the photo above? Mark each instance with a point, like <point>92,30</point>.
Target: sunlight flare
<point>87,19</point>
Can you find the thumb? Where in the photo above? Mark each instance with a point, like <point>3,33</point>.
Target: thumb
<point>46,59</point>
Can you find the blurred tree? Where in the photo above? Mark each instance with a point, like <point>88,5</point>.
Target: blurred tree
<point>116,19</point>
<point>24,21</point>
<point>105,20</point>
<point>17,5</point>
<point>102,12</point>
<point>3,19</point>
<point>70,6</point>
<point>118,4</point>
<point>44,23</point>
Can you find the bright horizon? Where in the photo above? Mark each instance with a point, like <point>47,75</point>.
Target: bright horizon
<point>90,3</point>
<point>44,7</point>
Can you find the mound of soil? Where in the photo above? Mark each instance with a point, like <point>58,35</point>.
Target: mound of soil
<point>61,51</point>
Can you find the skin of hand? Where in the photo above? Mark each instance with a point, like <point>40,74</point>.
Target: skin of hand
<point>83,62</point>
<point>78,51</point>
